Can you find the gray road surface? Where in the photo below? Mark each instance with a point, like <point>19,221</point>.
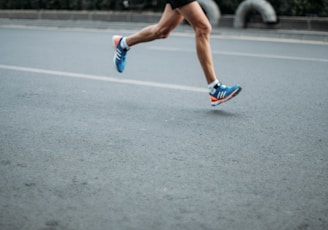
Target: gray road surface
<point>83,147</point>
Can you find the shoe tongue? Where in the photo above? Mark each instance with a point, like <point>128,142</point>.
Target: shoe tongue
<point>220,85</point>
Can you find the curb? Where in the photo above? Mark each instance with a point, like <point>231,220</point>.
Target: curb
<point>81,15</point>
<point>302,24</point>
<point>226,21</point>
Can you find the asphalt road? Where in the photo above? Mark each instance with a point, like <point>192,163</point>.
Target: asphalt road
<point>84,147</point>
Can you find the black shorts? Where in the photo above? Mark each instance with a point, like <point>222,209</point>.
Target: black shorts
<point>178,3</point>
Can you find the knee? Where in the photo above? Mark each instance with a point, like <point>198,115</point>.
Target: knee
<point>203,29</point>
<point>162,32</point>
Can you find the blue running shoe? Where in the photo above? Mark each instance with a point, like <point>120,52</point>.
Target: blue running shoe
<point>120,54</point>
<point>222,93</point>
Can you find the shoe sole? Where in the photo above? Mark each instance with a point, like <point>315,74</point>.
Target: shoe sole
<point>235,93</point>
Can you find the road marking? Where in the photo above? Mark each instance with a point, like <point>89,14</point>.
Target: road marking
<point>103,78</point>
<point>241,54</point>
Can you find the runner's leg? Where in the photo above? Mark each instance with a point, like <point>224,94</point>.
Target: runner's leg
<point>169,21</point>
<point>194,14</point>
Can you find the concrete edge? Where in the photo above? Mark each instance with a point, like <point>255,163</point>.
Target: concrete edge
<point>81,15</point>
<point>226,21</point>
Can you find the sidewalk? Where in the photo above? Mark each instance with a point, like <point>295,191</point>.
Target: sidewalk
<point>251,34</point>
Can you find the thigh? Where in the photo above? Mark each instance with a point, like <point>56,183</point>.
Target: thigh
<point>194,14</point>
<point>170,19</point>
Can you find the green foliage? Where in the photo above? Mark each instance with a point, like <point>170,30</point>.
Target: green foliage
<point>282,7</point>
<point>60,4</point>
<point>228,7</point>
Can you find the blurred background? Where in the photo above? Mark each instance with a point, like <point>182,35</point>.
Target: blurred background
<point>312,8</point>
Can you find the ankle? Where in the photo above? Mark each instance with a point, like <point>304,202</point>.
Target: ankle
<point>212,85</point>
<point>124,44</point>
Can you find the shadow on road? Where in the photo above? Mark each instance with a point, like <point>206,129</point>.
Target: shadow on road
<point>222,113</point>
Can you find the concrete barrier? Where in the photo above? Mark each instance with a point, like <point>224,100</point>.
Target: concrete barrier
<point>263,7</point>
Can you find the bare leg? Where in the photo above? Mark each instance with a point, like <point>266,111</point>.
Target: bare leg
<point>170,20</point>
<point>194,14</point>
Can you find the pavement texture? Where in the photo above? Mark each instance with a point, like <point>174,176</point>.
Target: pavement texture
<point>84,147</point>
